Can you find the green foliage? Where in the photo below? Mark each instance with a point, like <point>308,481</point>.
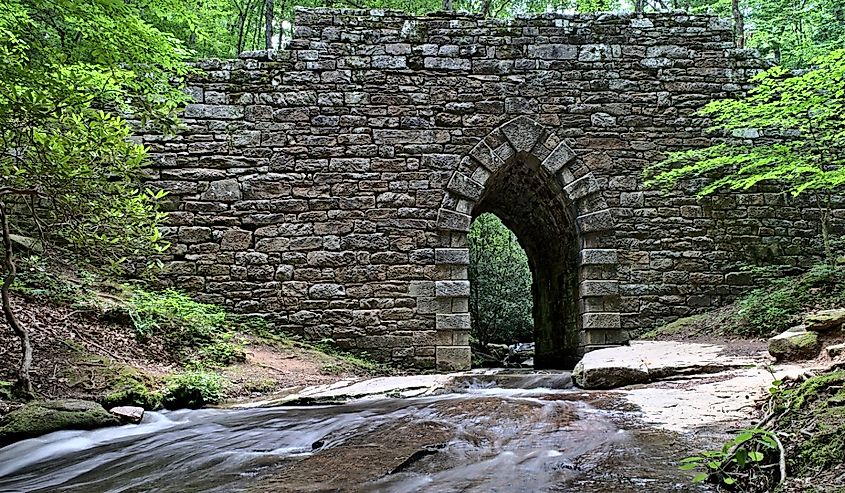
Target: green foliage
<point>812,418</point>
<point>182,321</point>
<point>778,305</point>
<point>742,458</point>
<point>500,297</point>
<point>804,113</point>
<point>35,278</point>
<point>130,388</point>
<point>68,70</point>
<point>226,349</point>
<point>193,389</point>
<point>794,32</point>
<point>6,390</point>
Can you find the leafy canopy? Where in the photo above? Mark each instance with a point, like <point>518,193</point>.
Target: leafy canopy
<point>500,300</point>
<point>69,70</point>
<point>803,120</point>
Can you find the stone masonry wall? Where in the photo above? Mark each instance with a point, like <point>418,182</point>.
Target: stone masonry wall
<point>330,186</point>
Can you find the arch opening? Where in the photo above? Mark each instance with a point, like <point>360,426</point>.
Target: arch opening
<point>532,205</point>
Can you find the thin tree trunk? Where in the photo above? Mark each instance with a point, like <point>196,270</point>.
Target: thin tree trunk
<point>824,221</point>
<point>268,24</point>
<point>24,384</point>
<point>739,24</point>
<point>638,6</point>
<point>486,7</point>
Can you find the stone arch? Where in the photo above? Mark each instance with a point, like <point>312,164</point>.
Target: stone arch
<point>565,226</point>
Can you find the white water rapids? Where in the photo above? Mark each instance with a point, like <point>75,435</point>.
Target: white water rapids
<point>479,438</point>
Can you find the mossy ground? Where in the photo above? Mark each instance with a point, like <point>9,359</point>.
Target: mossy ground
<point>97,339</point>
<point>813,431</point>
<point>776,304</point>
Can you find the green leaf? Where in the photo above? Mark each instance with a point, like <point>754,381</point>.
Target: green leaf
<point>700,477</point>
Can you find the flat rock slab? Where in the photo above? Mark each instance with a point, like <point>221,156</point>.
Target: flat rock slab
<point>348,390</point>
<point>706,400</point>
<point>647,361</point>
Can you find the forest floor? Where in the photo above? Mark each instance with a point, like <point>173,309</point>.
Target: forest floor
<point>87,345</point>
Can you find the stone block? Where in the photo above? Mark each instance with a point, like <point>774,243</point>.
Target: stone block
<point>450,321</point>
<point>596,221</point>
<point>451,256</point>
<point>553,51</point>
<point>465,187</point>
<point>485,156</point>
<point>326,291</point>
<point>452,220</point>
<point>444,289</point>
<point>223,191</point>
<point>599,288</point>
<point>581,187</point>
<point>453,358</point>
<point>236,239</point>
<point>523,133</point>
<point>600,321</point>
<point>597,256</point>
<point>560,157</point>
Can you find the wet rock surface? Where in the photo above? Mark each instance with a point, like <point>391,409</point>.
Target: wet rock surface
<point>477,438</point>
<point>128,414</point>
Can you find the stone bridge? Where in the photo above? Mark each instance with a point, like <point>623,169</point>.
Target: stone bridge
<point>331,185</point>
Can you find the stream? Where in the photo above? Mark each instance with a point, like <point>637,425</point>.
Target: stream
<point>531,433</point>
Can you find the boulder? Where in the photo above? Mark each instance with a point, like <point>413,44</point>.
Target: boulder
<point>795,343</point>
<point>646,361</point>
<point>835,350</point>
<point>825,320</point>
<point>609,375</point>
<point>128,414</point>
<point>42,417</point>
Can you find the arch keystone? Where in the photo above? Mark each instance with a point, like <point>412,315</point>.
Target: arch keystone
<point>523,133</point>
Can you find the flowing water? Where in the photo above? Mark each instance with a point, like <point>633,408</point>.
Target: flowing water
<point>480,437</point>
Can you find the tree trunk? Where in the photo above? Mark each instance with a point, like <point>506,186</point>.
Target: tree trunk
<point>447,5</point>
<point>268,24</point>
<point>24,384</point>
<point>638,6</point>
<point>739,24</point>
<point>486,7</point>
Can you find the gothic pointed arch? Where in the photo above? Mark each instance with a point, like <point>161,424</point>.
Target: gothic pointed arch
<point>533,180</point>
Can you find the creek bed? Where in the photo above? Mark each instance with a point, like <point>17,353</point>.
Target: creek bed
<point>535,435</point>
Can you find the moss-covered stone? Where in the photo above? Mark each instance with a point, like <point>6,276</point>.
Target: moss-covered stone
<point>825,320</point>
<point>131,388</point>
<point>42,417</point>
<point>795,343</point>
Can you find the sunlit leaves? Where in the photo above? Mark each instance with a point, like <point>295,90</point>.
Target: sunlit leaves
<point>790,129</point>
<point>70,71</point>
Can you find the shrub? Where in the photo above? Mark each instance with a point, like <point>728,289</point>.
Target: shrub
<point>193,389</point>
<point>131,389</point>
<point>778,305</point>
<point>182,321</point>
<point>500,300</point>
<point>223,351</point>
